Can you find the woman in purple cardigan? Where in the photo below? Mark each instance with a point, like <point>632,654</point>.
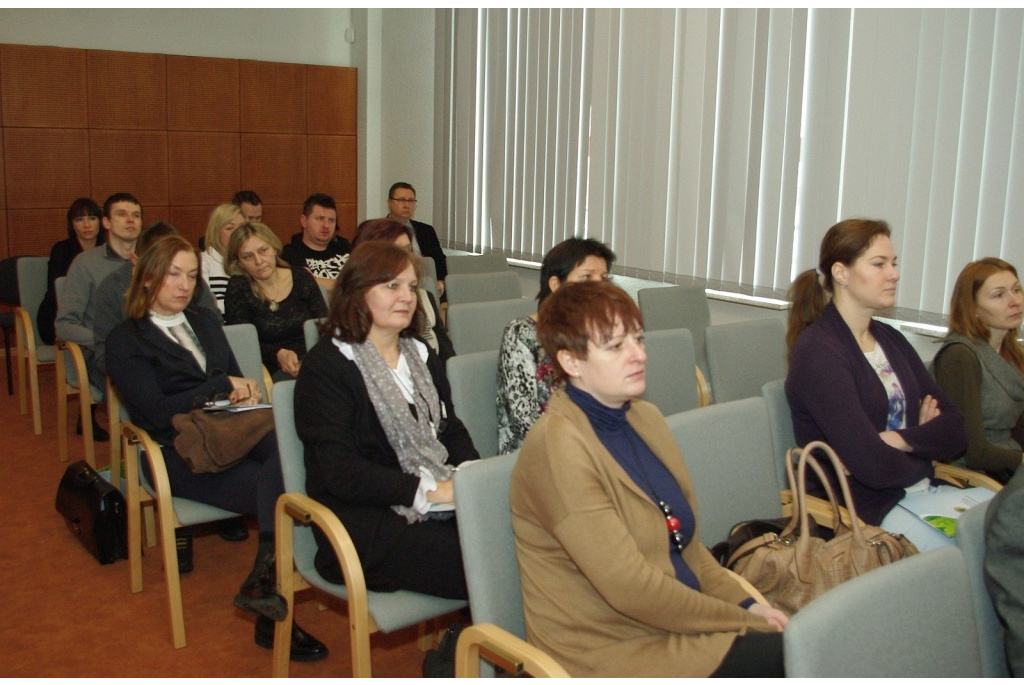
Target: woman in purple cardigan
<point>858,385</point>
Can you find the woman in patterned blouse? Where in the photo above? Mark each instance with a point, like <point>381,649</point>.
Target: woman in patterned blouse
<point>526,377</point>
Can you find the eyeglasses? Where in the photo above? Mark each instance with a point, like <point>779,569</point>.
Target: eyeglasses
<point>404,200</point>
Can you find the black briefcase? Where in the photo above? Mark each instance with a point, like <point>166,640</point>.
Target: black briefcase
<point>95,512</point>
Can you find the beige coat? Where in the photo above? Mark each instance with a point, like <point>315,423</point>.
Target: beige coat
<point>599,591</point>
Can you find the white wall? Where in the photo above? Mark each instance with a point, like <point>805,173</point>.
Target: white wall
<point>304,36</point>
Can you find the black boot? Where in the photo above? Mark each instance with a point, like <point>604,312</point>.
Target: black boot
<point>305,647</point>
<point>98,432</point>
<point>258,594</point>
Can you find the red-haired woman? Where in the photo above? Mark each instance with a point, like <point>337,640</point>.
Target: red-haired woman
<point>981,364</point>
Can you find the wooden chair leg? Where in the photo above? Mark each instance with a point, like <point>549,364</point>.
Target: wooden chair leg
<point>62,406</point>
<point>85,411</point>
<point>21,343</point>
<point>33,379</point>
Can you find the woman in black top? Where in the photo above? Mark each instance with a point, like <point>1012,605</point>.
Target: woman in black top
<point>276,298</point>
<point>84,233</point>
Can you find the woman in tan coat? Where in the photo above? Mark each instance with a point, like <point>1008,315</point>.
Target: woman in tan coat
<point>615,580</point>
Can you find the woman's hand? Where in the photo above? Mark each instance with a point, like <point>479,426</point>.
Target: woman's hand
<point>244,391</point>
<point>444,494</point>
<point>289,361</point>
<point>774,616</point>
<point>929,409</point>
<point>894,439</point>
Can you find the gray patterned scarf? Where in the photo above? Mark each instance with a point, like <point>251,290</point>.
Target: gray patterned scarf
<point>414,439</point>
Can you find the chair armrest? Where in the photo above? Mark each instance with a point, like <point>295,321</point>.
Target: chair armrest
<point>703,389</point>
<point>961,477</point>
<point>268,383</point>
<point>748,588</point>
<point>819,509</point>
<point>503,649</point>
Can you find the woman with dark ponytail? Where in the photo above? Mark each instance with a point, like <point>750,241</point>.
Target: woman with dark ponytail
<point>858,385</point>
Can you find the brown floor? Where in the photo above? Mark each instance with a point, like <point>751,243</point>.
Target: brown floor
<point>65,615</point>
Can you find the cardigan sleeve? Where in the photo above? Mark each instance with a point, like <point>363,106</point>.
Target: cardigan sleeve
<point>958,372</point>
<point>579,513</point>
<point>820,387</point>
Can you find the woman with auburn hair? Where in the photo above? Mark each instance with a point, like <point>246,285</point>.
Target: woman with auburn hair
<point>166,357</point>
<point>981,364</point>
<point>374,411</point>
<point>223,222</point>
<point>271,295</point>
<point>857,384</point>
<point>433,332</point>
<point>615,579</point>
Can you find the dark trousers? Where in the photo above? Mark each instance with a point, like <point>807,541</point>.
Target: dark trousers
<point>754,655</point>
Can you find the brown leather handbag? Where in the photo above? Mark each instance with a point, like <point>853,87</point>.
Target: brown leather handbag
<point>211,442</point>
<point>794,567</point>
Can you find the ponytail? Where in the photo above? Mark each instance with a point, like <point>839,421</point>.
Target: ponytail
<point>807,300</point>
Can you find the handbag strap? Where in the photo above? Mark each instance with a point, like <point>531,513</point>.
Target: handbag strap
<point>799,499</point>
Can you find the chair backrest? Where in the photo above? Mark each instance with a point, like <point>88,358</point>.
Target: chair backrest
<point>486,287</point>
<point>32,287</point>
<point>728,452</point>
<point>488,546</point>
<point>781,421</point>
<point>904,620</point>
<point>429,269</point>
<point>474,382</point>
<point>293,469</point>
<point>970,538</point>
<point>245,345</point>
<point>489,262</point>
<point>671,374</point>
<point>679,306</point>
<point>311,332</point>
<point>477,326</point>
<point>744,355</point>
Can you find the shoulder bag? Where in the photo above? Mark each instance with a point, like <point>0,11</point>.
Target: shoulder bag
<point>211,442</point>
<point>94,511</point>
<point>792,568</point>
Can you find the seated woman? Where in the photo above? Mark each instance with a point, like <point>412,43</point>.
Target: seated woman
<point>615,579</point>
<point>981,365</point>
<point>84,233</point>
<point>273,296</point>
<point>374,411</point>
<point>433,332</point>
<point>526,377</point>
<point>223,222</point>
<point>166,356</point>
<point>858,385</point>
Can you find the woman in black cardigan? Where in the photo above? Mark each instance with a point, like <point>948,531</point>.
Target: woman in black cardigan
<point>373,408</point>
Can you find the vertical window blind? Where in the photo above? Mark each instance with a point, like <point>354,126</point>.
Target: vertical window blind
<point>720,145</point>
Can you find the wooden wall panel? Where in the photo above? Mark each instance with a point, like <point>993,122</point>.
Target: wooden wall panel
<point>202,94</point>
<point>190,221</point>
<point>45,167</point>
<point>331,98</point>
<point>203,168</point>
<point>348,219</point>
<point>129,161</point>
<point>276,165</point>
<point>4,235</point>
<point>34,231</point>
<point>283,219</point>
<point>332,166</point>
<point>273,97</point>
<point>127,90</point>
<point>43,86</point>
<point>3,182</point>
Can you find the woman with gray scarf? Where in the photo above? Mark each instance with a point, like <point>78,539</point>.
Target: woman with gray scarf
<point>981,364</point>
<point>373,408</point>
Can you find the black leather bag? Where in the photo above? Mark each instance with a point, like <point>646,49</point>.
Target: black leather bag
<point>95,512</point>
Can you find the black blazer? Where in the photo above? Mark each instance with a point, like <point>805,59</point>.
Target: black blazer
<point>350,465</point>
<point>430,246</point>
<point>158,378</point>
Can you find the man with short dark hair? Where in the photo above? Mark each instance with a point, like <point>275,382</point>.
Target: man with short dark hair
<point>318,248</point>
<point>122,219</point>
<point>250,204</point>
<point>401,207</point>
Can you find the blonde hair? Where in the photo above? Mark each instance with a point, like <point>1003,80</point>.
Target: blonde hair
<point>219,218</point>
<point>241,234</point>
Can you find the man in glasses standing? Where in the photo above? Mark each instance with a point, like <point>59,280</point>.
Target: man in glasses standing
<point>401,207</point>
